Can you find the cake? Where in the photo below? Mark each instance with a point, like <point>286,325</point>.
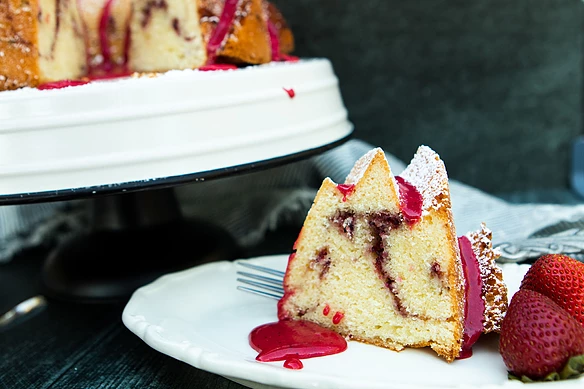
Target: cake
<point>106,26</point>
<point>40,41</point>
<point>43,41</point>
<point>378,261</point>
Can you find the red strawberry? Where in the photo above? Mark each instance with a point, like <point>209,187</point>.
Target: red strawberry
<point>560,278</point>
<point>539,338</point>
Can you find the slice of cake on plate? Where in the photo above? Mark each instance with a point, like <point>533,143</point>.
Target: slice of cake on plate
<point>378,261</point>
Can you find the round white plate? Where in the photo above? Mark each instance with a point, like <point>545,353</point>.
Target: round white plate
<point>197,316</point>
<point>112,132</point>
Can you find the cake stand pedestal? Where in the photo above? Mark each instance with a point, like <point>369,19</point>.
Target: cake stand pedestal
<point>134,239</point>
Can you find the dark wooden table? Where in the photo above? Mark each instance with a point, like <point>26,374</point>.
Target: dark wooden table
<point>72,345</point>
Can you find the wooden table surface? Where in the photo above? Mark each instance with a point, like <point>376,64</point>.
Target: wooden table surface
<point>73,345</point>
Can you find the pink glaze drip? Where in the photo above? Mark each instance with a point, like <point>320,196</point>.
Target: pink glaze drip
<point>103,38</point>
<point>474,308</point>
<point>326,310</point>
<point>346,190</point>
<point>220,32</point>
<point>61,84</point>
<point>127,45</point>
<point>288,58</point>
<point>410,201</point>
<point>286,340</point>
<point>290,92</point>
<point>338,317</point>
<point>274,41</point>
<point>217,66</point>
<point>293,363</point>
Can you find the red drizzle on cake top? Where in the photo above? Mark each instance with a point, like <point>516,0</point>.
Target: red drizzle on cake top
<point>221,31</point>
<point>103,39</point>
<point>346,190</point>
<point>410,201</point>
<point>292,340</point>
<point>474,308</point>
<point>274,41</point>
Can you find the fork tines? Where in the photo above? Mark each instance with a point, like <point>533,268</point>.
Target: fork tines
<point>261,285</point>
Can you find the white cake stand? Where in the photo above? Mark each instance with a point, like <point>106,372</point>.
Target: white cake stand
<point>126,137</point>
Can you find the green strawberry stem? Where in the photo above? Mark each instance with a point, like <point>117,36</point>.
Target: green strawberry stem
<point>574,367</point>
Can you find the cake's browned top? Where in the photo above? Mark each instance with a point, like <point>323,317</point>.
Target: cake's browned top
<point>18,45</point>
<point>248,38</point>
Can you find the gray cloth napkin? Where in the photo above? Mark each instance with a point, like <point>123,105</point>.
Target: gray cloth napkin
<point>249,205</point>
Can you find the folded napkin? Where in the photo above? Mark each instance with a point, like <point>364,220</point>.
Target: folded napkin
<point>249,205</point>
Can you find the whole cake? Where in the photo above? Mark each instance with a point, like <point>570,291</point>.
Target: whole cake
<point>378,261</point>
<point>44,41</point>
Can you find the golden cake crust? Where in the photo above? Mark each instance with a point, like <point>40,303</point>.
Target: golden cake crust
<point>247,40</point>
<point>285,35</point>
<point>494,291</point>
<point>19,56</point>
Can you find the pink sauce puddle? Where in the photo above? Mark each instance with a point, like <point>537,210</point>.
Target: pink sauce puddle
<point>220,32</point>
<point>474,308</point>
<point>410,201</point>
<point>61,84</point>
<point>346,190</point>
<point>292,340</point>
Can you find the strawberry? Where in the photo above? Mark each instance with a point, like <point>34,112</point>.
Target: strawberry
<point>560,278</point>
<point>540,340</point>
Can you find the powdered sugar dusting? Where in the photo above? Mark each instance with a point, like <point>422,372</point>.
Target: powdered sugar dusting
<point>427,173</point>
<point>361,165</point>
<point>494,290</point>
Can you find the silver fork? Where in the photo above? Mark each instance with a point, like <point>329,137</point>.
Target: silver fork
<point>261,285</point>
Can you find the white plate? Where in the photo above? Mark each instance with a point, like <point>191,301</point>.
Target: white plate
<point>197,316</point>
<point>182,122</point>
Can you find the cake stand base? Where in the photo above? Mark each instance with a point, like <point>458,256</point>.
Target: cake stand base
<point>135,238</point>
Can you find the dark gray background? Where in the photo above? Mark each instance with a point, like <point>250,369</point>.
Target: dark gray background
<point>493,86</point>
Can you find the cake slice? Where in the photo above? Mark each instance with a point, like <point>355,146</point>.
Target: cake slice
<point>106,26</point>
<point>235,31</point>
<point>378,260</point>
<point>40,41</point>
<point>165,34</point>
<point>187,34</point>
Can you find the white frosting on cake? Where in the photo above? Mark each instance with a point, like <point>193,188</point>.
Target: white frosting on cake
<point>180,122</point>
<point>427,173</point>
<point>358,170</point>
